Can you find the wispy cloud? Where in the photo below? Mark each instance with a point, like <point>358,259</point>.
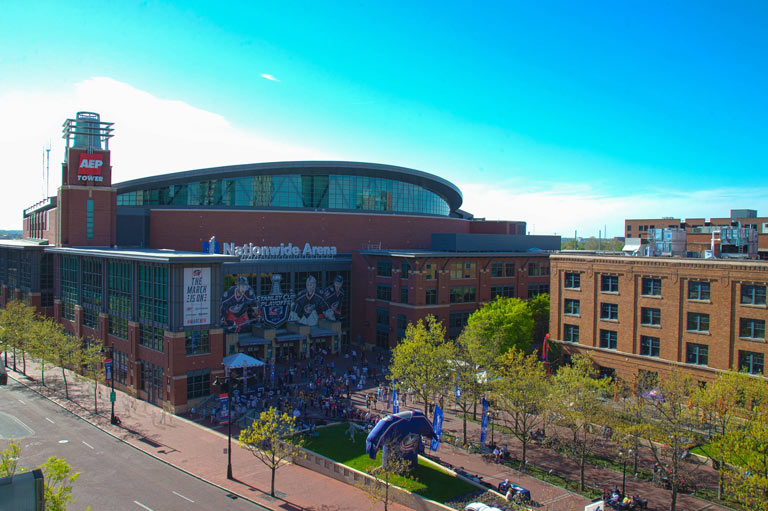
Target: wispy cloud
<point>269,77</point>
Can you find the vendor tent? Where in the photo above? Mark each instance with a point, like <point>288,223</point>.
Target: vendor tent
<point>241,360</point>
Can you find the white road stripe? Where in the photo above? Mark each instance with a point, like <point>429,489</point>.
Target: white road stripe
<point>183,497</point>
<point>86,443</point>
<point>49,420</point>
<point>142,505</point>
<point>22,402</point>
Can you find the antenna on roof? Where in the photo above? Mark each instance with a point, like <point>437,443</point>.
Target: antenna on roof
<point>47,166</point>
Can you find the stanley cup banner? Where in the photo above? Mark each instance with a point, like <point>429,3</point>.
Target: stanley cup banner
<point>197,296</point>
<point>275,306</point>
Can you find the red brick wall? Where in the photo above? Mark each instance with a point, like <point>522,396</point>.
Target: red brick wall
<point>71,216</point>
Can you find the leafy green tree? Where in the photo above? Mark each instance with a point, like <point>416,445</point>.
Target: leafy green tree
<point>669,427</point>
<point>45,338</point>
<point>9,460</point>
<point>68,351</point>
<point>470,383</point>
<point>16,321</point>
<point>421,360</point>
<point>395,466</point>
<point>272,439</point>
<point>498,326</point>
<point>578,396</point>
<point>539,307</point>
<point>59,479</point>
<point>721,403</point>
<point>521,392</point>
<point>91,360</point>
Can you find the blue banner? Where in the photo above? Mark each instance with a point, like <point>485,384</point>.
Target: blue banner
<point>437,428</point>
<point>458,392</point>
<point>108,370</point>
<point>224,408</point>
<point>395,400</point>
<point>484,424</point>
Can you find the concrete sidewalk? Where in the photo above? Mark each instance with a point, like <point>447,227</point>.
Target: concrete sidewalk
<point>198,450</point>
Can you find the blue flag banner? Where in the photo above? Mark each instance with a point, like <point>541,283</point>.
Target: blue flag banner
<point>437,428</point>
<point>108,370</point>
<point>395,400</point>
<point>224,407</point>
<point>458,392</point>
<point>484,424</point>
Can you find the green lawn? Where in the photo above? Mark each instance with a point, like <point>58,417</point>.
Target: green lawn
<point>426,480</point>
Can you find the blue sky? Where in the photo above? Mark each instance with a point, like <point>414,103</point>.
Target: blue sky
<point>568,115</point>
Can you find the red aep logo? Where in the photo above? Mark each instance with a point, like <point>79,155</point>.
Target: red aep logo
<point>90,167</point>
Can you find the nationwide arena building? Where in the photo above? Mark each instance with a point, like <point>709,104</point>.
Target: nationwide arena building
<point>276,260</point>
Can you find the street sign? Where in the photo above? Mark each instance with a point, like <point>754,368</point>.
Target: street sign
<point>112,396</point>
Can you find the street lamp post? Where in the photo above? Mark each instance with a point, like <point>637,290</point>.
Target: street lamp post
<point>225,384</point>
<point>623,456</point>
<point>110,362</point>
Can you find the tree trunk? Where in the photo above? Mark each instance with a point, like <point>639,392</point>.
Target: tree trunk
<point>465,427</point>
<point>24,363</point>
<point>95,398</point>
<point>386,494</point>
<point>525,448</point>
<point>14,359</point>
<point>66,387</point>
<point>674,497</point>
<point>272,488</point>
<point>474,410</point>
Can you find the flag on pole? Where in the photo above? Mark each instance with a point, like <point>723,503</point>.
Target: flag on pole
<point>395,400</point>
<point>437,427</point>
<point>484,423</point>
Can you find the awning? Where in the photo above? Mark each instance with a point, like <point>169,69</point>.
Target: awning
<point>250,340</point>
<point>290,338</point>
<point>322,332</point>
<point>632,245</point>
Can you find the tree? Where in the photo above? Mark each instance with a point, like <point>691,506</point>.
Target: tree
<point>9,460</point>
<point>272,439</point>
<point>16,321</point>
<point>59,479</point>
<point>721,403</point>
<point>578,396</point>
<point>668,426</point>
<point>520,392</point>
<point>91,360</point>
<point>421,360</point>
<point>539,307</point>
<point>378,490</point>
<point>44,340</point>
<point>498,326</point>
<point>470,385</point>
<point>745,450</point>
<point>68,352</point>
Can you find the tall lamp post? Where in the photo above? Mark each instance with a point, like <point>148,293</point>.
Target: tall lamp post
<point>224,384</point>
<point>109,373</point>
<point>624,456</point>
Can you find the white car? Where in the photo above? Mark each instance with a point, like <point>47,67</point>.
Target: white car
<point>479,506</point>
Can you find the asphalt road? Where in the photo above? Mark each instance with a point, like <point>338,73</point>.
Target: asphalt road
<point>114,476</point>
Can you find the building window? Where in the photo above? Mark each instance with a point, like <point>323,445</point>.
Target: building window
<point>120,367</point>
<point>405,269</point>
<point>119,288</point>
<point>153,293</point>
<point>382,318</point>
<point>463,270</point>
<point>118,327</point>
<point>89,219</point>
<point>382,339</point>
<point>402,324</point>
<point>538,269</point>
<point>698,322</point>
<point>198,383</point>
<point>649,346</point>
<point>751,362</point>
<point>503,291</point>
<point>456,323</point>
<point>403,294</point>
<point>152,337</point>
<point>696,354</point>
<point>68,310</point>
<point>572,280</point>
<point>463,294</point>
<point>571,307</point>
<point>571,333</point>
<point>609,283</point>
<point>650,287</point>
<point>752,328</point>
<point>609,311</point>
<point>752,294</point>
<point>92,295</point>
<point>68,273</point>
<point>430,297</point>
<point>430,271</point>
<point>537,289</point>
<point>650,316</point>
<point>502,269</point>
<point>151,377</point>
<point>698,290</point>
<point>197,342</point>
<point>384,292</point>
<point>383,268</point>
<point>608,339</point>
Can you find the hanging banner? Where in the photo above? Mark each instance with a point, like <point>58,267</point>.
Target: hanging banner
<point>224,407</point>
<point>395,400</point>
<point>437,428</point>
<point>484,424</point>
<point>108,369</point>
<point>197,296</point>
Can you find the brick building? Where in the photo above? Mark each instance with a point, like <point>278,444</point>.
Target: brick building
<point>636,314</point>
<point>176,271</point>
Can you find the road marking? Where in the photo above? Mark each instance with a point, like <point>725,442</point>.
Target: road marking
<point>49,420</point>
<point>63,441</point>
<point>22,402</point>
<point>183,497</point>
<point>142,505</point>
<point>86,443</point>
